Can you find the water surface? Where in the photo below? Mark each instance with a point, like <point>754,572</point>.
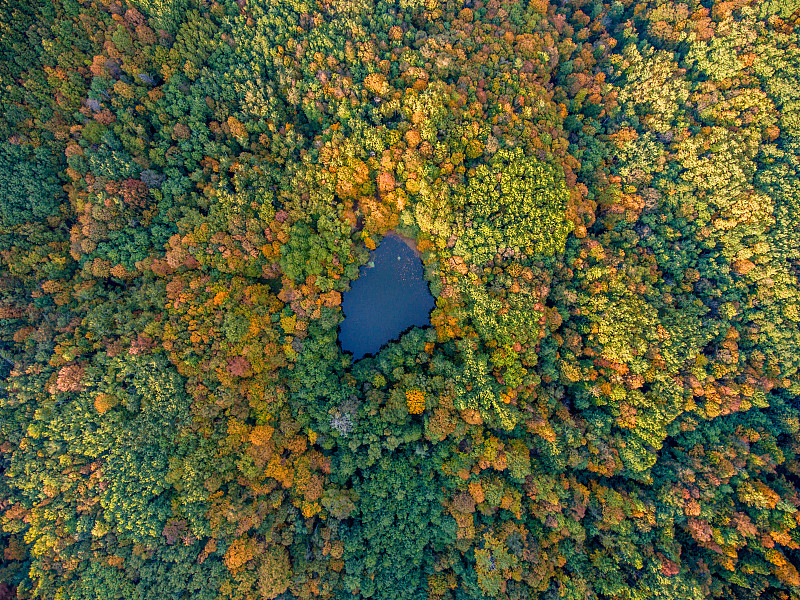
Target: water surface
<point>389,296</point>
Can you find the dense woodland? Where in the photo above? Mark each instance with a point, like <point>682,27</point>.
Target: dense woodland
<point>606,197</point>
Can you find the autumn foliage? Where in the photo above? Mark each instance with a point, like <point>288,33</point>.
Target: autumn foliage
<point>605,200</point>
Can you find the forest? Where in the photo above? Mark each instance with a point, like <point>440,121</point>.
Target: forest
<point>605,195</point>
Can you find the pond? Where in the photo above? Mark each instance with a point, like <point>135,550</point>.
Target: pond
<point>389,297</point>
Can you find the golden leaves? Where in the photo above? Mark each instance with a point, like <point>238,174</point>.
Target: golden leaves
<point>261,434</point>
<point>476,491</point>
<point>105,402</point>
<point>239,553</point>
<point>376,83</point>
<point>415,400</point>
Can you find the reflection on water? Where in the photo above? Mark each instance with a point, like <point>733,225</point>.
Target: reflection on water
<point>389,296</point>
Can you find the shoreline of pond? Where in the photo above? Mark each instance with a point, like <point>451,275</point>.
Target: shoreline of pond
<point>389,298</point>
<point>407,240</point>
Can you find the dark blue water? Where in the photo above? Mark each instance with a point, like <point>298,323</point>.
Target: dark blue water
<point>388,297</point>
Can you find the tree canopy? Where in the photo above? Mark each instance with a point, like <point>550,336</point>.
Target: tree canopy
<point>605,198</point>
